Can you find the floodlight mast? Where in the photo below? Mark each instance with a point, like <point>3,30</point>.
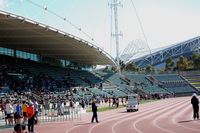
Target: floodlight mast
<point>114,7</point>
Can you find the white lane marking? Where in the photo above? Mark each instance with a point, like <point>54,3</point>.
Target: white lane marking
<point>175,123</point>
<point>110,116</point>
<point>137,121</point>
<point>139,113</point>
<point>160,107</point>
<point>144,112</point>
<point>166,104</point>
<point>159,117</point>
<point>145,106</point>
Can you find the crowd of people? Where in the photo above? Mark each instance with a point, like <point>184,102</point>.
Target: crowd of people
<point>28,94</point>
<point>19,111</point>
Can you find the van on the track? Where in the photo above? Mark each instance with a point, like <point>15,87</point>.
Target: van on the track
<point>132,103</point>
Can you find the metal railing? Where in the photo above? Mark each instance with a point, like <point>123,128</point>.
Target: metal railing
<point>63,114</point>
<point>51,114</point>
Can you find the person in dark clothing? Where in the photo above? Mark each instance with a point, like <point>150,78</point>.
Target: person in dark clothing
<point>94,110</point>
<point>195,104</point>
<point>18,128</point>
<point>31,117</point>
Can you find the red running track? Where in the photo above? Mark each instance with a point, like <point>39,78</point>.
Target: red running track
<point>172,115</point>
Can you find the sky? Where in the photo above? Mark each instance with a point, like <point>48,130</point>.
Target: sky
<point>165,22</point>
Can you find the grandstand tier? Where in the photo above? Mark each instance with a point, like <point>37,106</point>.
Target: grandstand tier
<point>162,84</point>
<point>192,77</point>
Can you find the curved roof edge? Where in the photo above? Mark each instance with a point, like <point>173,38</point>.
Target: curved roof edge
<point>65,34</point>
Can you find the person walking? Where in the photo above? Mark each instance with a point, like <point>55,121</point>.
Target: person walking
<point>94,110</point>
<point>31,117</point>
<point>195,104</point>
<point>24,109</point>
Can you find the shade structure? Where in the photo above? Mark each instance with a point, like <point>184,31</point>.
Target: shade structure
<point>20,33</point>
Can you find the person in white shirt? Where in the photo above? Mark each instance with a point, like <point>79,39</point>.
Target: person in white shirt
<point>9,112</point>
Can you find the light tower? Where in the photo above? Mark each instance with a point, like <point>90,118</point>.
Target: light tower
<point>114,10</point>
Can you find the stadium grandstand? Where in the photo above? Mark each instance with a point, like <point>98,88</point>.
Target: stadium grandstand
<point>164,84</point>
<point>159,56</point>
<point>56,72</point>
<point>52,66</point>
<point>40,59</point>
<point>31,50</point>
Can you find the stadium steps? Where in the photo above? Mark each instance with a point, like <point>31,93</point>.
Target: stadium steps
<point>192,78</point>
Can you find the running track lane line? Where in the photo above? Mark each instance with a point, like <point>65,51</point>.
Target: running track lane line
<point>166,123</point>
<point>156,109</point>
<point>152,109</point>
<point>160,117</point>
<point>175,123</point>
<point>167,100</point>
<point>137,121</point>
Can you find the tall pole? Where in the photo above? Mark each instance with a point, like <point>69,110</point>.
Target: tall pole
<point>116,31</point>
<point>114,6</point>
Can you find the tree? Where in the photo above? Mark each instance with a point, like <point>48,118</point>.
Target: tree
<point>182,64</point>
<point>150,69</point>
<point>169,64</point>
<point>132,67</point>
<point>196,61</point>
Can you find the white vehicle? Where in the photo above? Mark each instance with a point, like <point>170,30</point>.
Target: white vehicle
<point>132,103</point>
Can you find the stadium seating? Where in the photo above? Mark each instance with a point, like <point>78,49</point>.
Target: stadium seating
<point>168,77</point>
<point>155,90</point>
<point>193,77</point>
<point>118,80</point>
<point>174,83</point>
<point>162,83</point>
<point>186,89</point>
<point>51,78</point>
<point>141,81</point>
<point>116,93</point>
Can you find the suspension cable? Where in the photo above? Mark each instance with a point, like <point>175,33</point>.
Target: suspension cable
<point>142,29</point>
